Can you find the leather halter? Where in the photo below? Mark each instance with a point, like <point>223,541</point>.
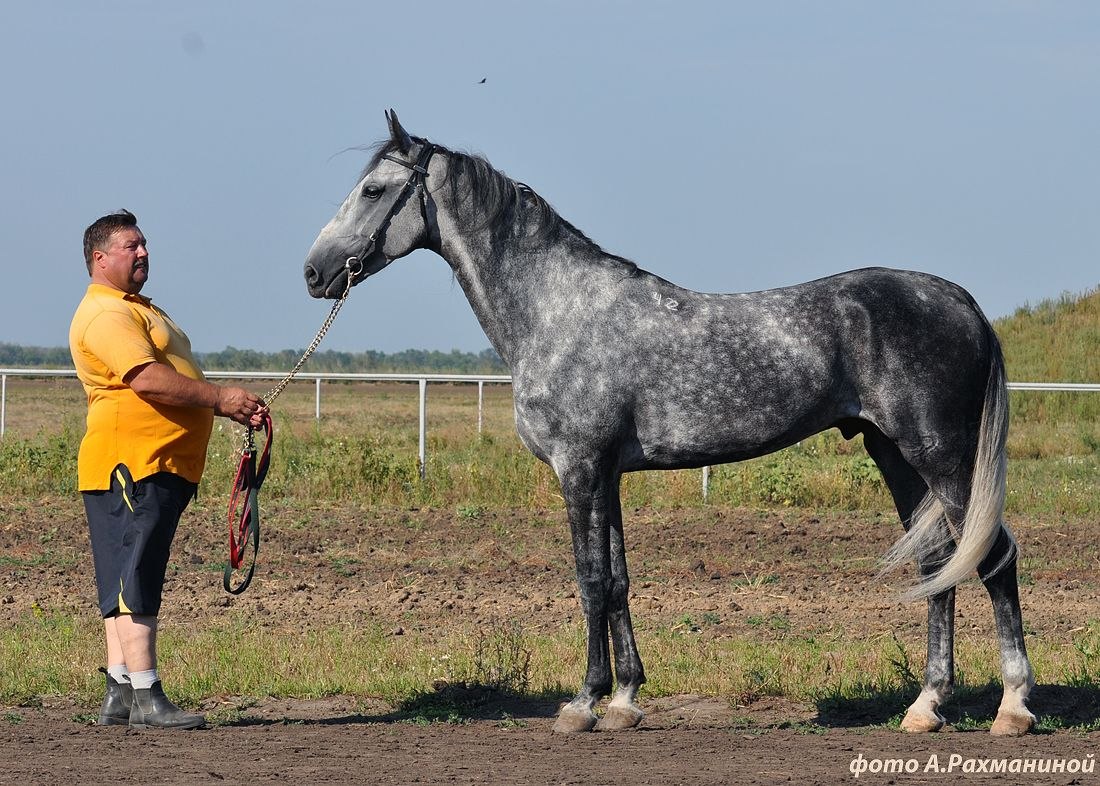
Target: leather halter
<point>355,263</point>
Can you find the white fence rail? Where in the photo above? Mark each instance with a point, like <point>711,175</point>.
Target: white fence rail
<point>422,381</point>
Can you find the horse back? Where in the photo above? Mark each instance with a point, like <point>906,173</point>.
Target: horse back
<point>672,377</point>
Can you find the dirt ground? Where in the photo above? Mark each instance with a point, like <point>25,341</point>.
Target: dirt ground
<point>416,568</point>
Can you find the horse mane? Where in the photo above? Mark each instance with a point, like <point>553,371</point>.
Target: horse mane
<point>511,209</point>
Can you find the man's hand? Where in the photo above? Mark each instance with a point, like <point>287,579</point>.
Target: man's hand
<point>240,405</point>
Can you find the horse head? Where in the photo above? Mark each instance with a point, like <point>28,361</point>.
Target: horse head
<point>385,217</point>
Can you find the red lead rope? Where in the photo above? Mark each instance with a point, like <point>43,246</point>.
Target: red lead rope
<point>244,508</point>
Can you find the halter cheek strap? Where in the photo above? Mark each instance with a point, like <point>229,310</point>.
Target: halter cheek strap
<point>355,263</point>
<point>422,189</point>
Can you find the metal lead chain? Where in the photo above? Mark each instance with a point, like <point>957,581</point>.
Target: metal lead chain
<point>336,306</point>
<point>353,267</point>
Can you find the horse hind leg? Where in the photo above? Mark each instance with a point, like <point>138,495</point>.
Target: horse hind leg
<point>910,494</point>
<point>999,576</point>
<point>923,715</point>
<point>998,572</point>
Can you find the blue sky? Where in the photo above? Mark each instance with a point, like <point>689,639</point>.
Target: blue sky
<point>726,146</point>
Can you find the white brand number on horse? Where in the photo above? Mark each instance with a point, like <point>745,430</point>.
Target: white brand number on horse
<point>667,302</point>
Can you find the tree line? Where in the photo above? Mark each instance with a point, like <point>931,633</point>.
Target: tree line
<point>233,359</point>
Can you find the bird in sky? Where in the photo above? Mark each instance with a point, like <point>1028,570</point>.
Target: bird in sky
<point>482,81</point>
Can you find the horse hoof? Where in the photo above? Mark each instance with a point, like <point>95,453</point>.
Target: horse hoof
<point>571,722</point>
<point>619,718</point>
<point>919,723</point>
<point>1012,724</point>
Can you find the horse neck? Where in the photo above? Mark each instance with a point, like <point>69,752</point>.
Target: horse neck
<point>499,284</point>
<point>508,279</point>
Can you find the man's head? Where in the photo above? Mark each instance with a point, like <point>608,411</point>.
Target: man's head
<point>115,252</point>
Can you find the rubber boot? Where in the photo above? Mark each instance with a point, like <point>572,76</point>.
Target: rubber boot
<point>153,710</point>
<point>116,704</point>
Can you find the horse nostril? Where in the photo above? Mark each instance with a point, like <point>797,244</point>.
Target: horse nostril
<point>311,275</point>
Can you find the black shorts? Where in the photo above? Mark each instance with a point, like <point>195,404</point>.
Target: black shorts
<point>131,527</point>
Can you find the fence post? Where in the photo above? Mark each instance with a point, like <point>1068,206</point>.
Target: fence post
<point>423,425</point>
<point>706,482</point>
<point>3,402</point>
<point>480,402</point>
<point>318,398</point>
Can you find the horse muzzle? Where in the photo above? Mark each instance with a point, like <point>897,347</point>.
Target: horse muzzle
<point>321,285</point>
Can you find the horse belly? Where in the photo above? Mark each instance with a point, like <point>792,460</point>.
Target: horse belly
<point>716,428</point>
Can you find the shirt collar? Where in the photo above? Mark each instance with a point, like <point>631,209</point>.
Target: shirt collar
<point>103,289</point>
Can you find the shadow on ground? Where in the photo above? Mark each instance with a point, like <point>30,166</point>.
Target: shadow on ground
<point>447,704</point>
<point>1058,707</point>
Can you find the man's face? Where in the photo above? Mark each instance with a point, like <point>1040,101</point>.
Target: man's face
<point>124,264</point>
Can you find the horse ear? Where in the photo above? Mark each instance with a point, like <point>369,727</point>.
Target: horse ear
<point>398,134</point>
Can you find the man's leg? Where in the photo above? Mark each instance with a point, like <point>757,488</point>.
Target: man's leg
<point>108,517</point>
<point>119,696</point>
<point>136,638</point>
<point>132,527</point>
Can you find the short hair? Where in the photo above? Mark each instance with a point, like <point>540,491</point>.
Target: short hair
<point>99,233</point>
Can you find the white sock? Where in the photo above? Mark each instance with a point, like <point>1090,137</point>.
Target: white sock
<point>119,673</point>
<point>143,680</point>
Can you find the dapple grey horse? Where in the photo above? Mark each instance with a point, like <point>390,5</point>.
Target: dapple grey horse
<point>617,370</point>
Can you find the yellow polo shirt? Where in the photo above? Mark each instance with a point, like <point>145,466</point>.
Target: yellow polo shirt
<point>111,334</point>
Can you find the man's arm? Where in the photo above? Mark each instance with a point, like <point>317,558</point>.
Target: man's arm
<point>161,383</point>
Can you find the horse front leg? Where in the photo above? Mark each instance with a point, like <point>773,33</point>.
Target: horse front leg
<point>586,492</point>
<point>623,712</point>
<point>1013,716</point>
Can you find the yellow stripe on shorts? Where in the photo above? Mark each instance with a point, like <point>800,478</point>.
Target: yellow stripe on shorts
<point>122,607</point>
<point>125,496</point>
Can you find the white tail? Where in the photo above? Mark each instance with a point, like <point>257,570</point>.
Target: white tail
<point>929,532</point>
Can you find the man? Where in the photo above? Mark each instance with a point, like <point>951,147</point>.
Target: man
<point>150,413</point>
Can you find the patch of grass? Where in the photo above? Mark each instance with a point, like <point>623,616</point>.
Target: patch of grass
<point>230,714</point>
<point>779,622</point>
<point>344,566</point>
<point>41,464</point>
<point>756,581</point>
<point>49,653</point>
<point>803,727</point>
<point>902,666</point>
<point>496,666</point>
<point>686,623</point>
<point>776,622</point>
<point>508,722</point>
<point>967,723</point>
<point>500,660</point>
<point>1083,671</point>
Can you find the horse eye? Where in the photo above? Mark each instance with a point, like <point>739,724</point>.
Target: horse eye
<point>372,192</point>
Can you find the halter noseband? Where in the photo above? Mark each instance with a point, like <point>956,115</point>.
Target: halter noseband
<point>355,263</point>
